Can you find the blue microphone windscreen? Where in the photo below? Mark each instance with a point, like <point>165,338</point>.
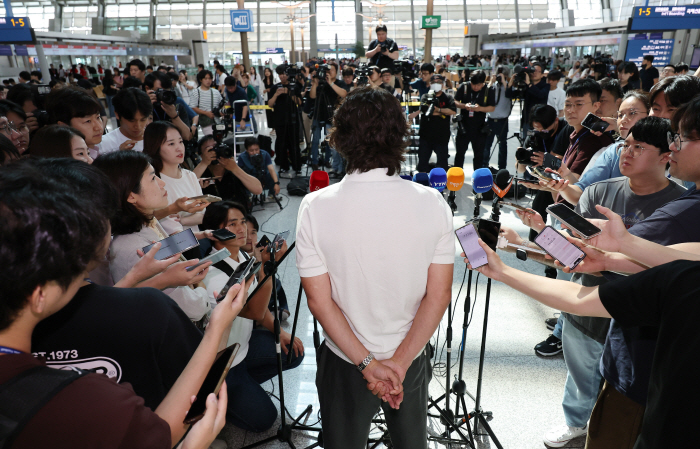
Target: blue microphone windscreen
<point>438,179</point>
<point>406,177</point>
<point>482,180</point>
<point>422,179</point>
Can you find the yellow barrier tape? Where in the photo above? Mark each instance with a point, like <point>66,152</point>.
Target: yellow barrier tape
<point>412,103</point>
<point>255,106</point>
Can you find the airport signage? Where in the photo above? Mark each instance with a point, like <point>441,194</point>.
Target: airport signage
<point>660,49</point>
<point>16,30</point>
<point>242,20</point>
<point>430,22</point>
<point>668,18</point>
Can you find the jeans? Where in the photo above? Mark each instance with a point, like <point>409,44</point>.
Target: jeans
<point>582,356</point>
<point>110,106</point>
<point>249,406</point>
<point>315,139</point>
<point>558,327</point>
<point>500,131</point>
<point>425,150</point>
<point>337,162</point>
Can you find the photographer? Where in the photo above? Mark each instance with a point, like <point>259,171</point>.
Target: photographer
<point>436,109</point>
<point>382,51</point>
<point>349,78</point>
<point>477,99</point>
<point>327,90</point>
<point>223,177</point>
<point>374,78</point>
<point>204,99</point>
<point>422,85</point>
<point>498,119</point>
<point>235,92</point>
<point>258,163</point>
<point>134,111</point>
<point>391,83</point>
<point>532,87</point>
<point>285,98</point>
<point>165,108</point>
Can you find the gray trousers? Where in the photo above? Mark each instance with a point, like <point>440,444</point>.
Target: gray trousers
<point>347,406</point>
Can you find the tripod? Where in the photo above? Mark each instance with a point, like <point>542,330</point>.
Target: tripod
<point>284,433</point>
<point>321,101</point>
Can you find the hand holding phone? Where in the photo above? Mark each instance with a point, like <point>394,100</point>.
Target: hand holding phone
<point>176,243</point>
<point>469,240</point>
<point>238,277</point>
<point>576,222</point>
<point>559,247</point>
<point>223,234</point>
<point>594,123</point>
<point>212,383</point>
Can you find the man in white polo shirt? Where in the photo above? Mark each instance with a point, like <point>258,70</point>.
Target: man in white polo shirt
<point>375,254</point>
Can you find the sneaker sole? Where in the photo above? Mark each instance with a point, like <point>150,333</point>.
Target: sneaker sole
<point>548,354</point>
<point>551,328</point>
<point>562,443</point>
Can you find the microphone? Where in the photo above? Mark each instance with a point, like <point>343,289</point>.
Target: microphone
<point>422,179</point>
<point>438,179</point>
<point>501,187</point>
<point>482,182</point>
<point>318,180</point>
<point>406,177</point>
<point>455,181</point>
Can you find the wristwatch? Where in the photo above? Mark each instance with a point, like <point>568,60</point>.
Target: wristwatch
<point>277,183</point>
<point>361,367</point>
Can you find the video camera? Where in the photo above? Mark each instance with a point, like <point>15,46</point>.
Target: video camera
<point>362,74</point>
<point>292,72</point>
<point>534,142</point>
<point>321,73</point>
<point>519,83</point>
<point>428,104</point>
<point>223,118</point>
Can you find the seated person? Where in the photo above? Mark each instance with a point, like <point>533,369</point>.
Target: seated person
<point>250,407</point>
<point>230,181</point>
<point>249,247</point>
<point>18,118</point>
<point>241,113</point>
<point>163,143</point>
<point>134,111</point>
<point>60,141</point>
<point>75,108</point>
<point>258,163</point>
<point>141,193</point>
<point>43,276</point>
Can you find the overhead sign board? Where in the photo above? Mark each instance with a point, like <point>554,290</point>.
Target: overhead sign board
<point>430,22</point>
<point>669,18</point>
<point>242,20</point>
<point>660,49</point>
<point>16,30</point>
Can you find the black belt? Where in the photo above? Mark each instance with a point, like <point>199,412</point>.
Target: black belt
<point>497,119</point>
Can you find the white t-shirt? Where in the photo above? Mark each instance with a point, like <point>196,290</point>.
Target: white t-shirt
<point>556,99</point>
<point>187,185</point>
<point>112,140</point>
<point>376,236</point>
<point>202,99</point>
<point>242,328</point>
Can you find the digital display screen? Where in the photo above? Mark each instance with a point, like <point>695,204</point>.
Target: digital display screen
<point>695,60</point>
<point>661,49</point>
<point>668,18</point>
<point>16,30</point>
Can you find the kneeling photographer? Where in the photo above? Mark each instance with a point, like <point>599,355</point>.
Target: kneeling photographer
<point>327,91</point>
<point>435,110</point>
<point>258,163</point>
<point>221,176</point>
<point>477,99</point>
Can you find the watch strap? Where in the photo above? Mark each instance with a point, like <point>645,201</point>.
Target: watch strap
<point>361,367</point>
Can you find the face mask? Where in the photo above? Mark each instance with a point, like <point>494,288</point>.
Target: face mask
<point>436,87</point>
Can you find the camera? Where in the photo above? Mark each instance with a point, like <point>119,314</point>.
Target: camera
<point>519,83</point>
<point>166,96</point>
<point>384,46</point>
<point>222,149</point>
<point>405,69</point>
<point>524,156</point>
<point>321,72</point>
<point>428,104</point>
<point>362,74</point>
<point>292,72</point>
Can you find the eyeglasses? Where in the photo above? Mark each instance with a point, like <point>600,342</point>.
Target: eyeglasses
<point>635,150</point>
<point>575,105</point>
<point>675,139</point>
<point>629,114</point>
<point>10,126</point>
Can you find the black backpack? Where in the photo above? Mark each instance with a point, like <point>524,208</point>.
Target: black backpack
<point>298,186</point>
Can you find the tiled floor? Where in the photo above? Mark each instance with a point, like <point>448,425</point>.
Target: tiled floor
<point>521,389</point>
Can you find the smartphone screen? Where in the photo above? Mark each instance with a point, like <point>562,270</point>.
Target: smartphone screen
<point>469,239</point>
<point>215,257</point>
<point>594,123</point>
<point>488,231</point>
<point>279,238</point>
<point>237,277</point>
<point>212,383</point>
<point>551,161</point>
<point>176,243</point>
<point>223,234</point>
<point>574,220</point>
<point>558,247</point>
<point>264,242</point>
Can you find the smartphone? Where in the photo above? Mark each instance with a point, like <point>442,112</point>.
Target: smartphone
<point>574,220</point>
<point>468,237</point>
<point>515,206</point>
<point>542,174</point>
<point>212,383</point>
<point>515,178</point>
<point>551,161</point>
<point>279,239</point>
<point>212,179</point>
<point>209,198</point>
<point>223,234</point>
<point>558,247</point>
<point>213,257</point>
<point>488,231</point>
<point>594,123</point>
<point>237,277</point>
<point>264,242</point>
<point>176,243</point>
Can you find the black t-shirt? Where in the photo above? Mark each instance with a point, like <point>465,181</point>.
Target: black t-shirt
<point>237,95</point>
<point>380,60</point>
<point>284,105</point>
<point>437,128</point>
<point>561,141</point>
<point>328,100</point>
<point>485,97</point>
<point>629,351</point>
<point>665,297</point>
<point>229,187</point>
<point>647,76</point>
<point>134,335</point>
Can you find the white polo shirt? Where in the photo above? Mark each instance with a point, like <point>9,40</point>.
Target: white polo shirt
<point>375,235</point>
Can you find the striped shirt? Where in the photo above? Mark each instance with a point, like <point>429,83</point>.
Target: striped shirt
<point>202,99</point>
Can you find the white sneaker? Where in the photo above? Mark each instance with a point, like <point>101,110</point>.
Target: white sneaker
<point>562,435</point>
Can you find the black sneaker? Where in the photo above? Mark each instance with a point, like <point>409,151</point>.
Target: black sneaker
<point>551,346</point>
<point>551,322</point>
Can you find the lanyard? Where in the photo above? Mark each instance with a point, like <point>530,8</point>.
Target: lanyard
<point>574,145</point>
<point>6,350</point>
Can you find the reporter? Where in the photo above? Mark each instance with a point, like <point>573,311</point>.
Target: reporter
<point>73,107</point>
<point>60,141</point>
<point>250,407</point>
<point>141,192</point>
<point>8,130</point>
<point>134,111</point>
<point>19,119</point>
<point>177,113</point>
